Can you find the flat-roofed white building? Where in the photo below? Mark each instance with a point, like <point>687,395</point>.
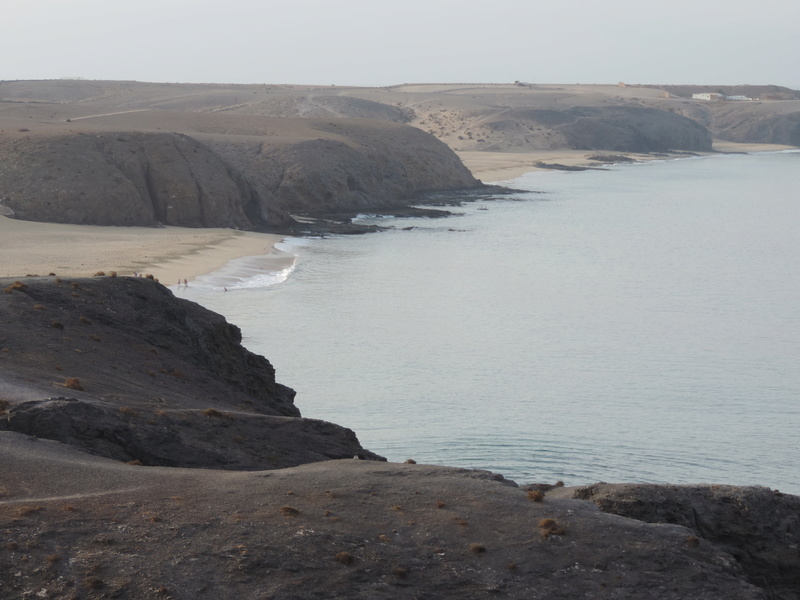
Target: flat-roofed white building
<point>708,96</point>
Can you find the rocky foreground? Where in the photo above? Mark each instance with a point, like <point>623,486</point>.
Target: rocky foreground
<point>111,388</point>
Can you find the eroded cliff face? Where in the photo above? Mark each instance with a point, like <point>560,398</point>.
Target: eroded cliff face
<point>150,179</point>
<point>119,367</point>
<point>616,128</point>
<point>353,167</point>
<point>142,179</point>
<point>773,123</point>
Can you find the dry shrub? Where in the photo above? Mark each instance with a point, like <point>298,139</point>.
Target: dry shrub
<point>17,286</point>
<point>73,383</point>
<point>289,511</point>
<point>53,559</point>
<point>535,496</point>
<point>548,527</point>
<point>345,558</point>
<point>112,274</point>
<point>127,410</point>
<point>410,461</point>
<point>401,572</point>
<point>692,541</point>
<point>92,583</point>
<point>38,306</point>
<point>440,504</point>
<point>24,511</point>
<point>100,274</point>
<point>56,325</point>
<point>94,337</point>
<point>75,285</point>
<point>476,548</point>
<point>175,373</point>
<point>85,321</point>
<point>213,412</point>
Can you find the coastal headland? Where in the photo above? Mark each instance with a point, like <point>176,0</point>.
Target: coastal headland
<point>147,454</point>
<point>225,160</point>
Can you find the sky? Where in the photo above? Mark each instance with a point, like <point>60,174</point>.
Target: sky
<point>378,43</point>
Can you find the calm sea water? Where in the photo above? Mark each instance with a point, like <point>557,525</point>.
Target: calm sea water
<point>639,324</point>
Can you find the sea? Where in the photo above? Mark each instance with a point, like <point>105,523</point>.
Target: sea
<point>635,323</point>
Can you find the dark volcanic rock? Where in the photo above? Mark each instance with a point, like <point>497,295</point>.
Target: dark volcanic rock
<point>231,440</point>
<point>154,378</point>
<point>633,129</point>
<point>615,128</point>
<point>355,166</point>
<point>759,527</point>
<point>140,179</point>
<point>150,179</point>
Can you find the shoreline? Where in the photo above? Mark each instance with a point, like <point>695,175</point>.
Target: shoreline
<point>171,254</point>
<point>168,253</point>
<point>496,167</point>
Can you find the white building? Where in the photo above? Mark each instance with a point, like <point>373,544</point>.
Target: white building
<point>707,96</point>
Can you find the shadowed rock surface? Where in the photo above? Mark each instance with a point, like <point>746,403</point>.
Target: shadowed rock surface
<point>759,527</point>
<point>120,367</point>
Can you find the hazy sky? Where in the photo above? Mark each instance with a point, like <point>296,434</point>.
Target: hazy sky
<point>377,42</point>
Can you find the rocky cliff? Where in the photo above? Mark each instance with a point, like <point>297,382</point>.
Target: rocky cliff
<point>120,367</point>
<point>617,128</point>
<point>353,166</point>
<point>148,178</point>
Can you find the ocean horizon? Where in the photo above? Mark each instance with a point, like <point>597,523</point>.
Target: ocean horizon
<point>635,324</point>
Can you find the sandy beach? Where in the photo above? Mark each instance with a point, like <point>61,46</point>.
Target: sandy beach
<point>168,253</point>
<point>175,253</point>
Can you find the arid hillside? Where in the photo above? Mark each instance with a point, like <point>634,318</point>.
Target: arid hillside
<point>254,156</point>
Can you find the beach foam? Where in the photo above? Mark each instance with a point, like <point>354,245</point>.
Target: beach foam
<point>250,272</point>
